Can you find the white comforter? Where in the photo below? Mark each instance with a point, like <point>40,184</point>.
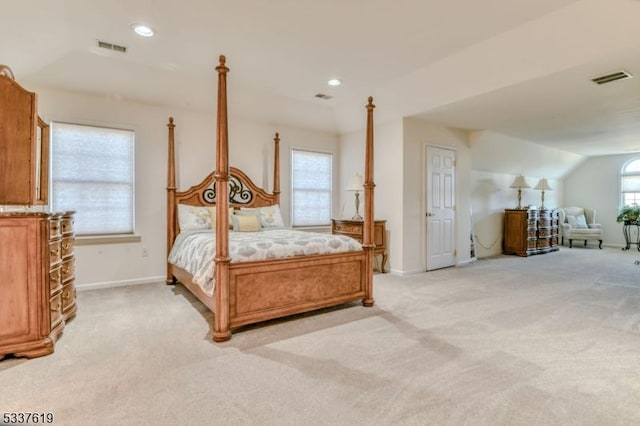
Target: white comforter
<point>194,251</point>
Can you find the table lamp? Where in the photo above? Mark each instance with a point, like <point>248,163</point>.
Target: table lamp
<point>355,184</point>
<point>519,183</point>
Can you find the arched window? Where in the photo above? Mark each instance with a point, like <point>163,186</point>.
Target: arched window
<point>631,183</point>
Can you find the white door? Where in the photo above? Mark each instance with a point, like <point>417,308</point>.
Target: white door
<point>440,207</point>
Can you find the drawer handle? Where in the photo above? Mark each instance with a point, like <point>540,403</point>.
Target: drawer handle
<point>55,253</point>
<point>66,246</point>
<point>66,270</point>
<point>66,295</point>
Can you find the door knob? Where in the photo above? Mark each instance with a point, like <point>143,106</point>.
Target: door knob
<point>428,214</point>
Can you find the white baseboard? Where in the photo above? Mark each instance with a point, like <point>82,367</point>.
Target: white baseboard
<point>409,272</point>
<point>419,271</point>
<point>111,284</point>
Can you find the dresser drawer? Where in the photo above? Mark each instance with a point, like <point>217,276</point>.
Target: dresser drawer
<point>54,228</point>
<point>67,225</point>
<point>55,252</point>
<point>543,243</point>
<point>544,233</point>
<point>67,247</point>
<point>348,228</point>
<point>56,309</point>
<point>68,270</point>
<point>68,297</point>
<point>55,278</point>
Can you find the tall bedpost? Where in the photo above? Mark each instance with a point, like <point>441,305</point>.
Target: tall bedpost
<point>367,237</point>
<point>171,199</point>
<point>276,168</point>
<point>221,330</point>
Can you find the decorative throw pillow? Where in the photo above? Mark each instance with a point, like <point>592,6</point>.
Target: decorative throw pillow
<point>212,215</point>
<point>577,222</point>
<point>193,217</point>
<point>270,217</point>
<point>244,211</point>
<point>246,223</point>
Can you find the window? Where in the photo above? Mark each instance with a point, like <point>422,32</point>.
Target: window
<point>92,173</point>
<point>312,183</point>
<point>631,183</point>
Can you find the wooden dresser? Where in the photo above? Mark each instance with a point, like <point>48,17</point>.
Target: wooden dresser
<point>37,291</point>
<point>530,231</point>
<point>355,229</point>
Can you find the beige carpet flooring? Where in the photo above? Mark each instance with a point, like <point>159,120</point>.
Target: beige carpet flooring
<point>545,340</point>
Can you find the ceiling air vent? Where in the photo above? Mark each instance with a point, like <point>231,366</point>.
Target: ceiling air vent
<point>323,96</point>
<point>620,75</point>
<point>111,46</point>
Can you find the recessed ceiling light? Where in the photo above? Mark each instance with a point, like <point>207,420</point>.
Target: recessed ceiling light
<point>143,30</point>
<point>334,82</point>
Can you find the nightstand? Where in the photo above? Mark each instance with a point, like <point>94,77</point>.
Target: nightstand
<point>355,229</point>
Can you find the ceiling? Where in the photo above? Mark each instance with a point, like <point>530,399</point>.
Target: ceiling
<point>517,67</point>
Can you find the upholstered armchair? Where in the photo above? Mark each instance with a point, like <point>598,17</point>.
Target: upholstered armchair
<point>577,223</point>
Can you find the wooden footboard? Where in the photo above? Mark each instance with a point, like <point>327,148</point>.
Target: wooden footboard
<point>260,291</point>
<point>272,289</point>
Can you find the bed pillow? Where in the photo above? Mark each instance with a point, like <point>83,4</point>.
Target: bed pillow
<point>193,217</point>
<point>270,216</point>
<point>244,211</point>
<point>212,216</point>
<point>248,223</point>
<point>577,222</point>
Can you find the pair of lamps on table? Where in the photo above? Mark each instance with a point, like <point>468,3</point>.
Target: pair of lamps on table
<point>519,183</point>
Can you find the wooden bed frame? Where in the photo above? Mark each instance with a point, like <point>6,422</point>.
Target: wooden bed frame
<point>250,292</point>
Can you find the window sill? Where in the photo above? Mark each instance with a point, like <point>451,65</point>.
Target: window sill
<point>90,240</point>
<point>317,228</point>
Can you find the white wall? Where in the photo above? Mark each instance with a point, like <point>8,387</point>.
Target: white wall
<point>496,161</point>
<point>418,134</point>
<point>388,199</point>
<point>399,162</point>
<point>596,184</point>
<point>491,195</point>
<point>498,153</point>
<point>251,149</point>
<point>399,193</point>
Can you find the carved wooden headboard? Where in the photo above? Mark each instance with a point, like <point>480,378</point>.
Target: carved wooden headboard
<point>242,192</point>
<point>6,71</point>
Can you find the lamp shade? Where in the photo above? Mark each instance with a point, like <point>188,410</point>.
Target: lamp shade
<point>543,185</point>
<point>355,183</point>
<point>519,183</point>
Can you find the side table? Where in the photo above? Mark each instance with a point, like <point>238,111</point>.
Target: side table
<point>628,230</point>
<point>355,229</point>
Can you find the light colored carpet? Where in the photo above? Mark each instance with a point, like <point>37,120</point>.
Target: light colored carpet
<point>545,340</point>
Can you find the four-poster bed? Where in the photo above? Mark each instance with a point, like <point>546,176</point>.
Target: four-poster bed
<point>246,292</point>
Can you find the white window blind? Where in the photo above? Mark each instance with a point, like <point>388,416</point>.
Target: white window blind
<point>312,183</point>
<point>631,183</point>
<point>92,171</point>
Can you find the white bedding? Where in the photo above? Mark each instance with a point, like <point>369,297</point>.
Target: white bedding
<point>194,250</point>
